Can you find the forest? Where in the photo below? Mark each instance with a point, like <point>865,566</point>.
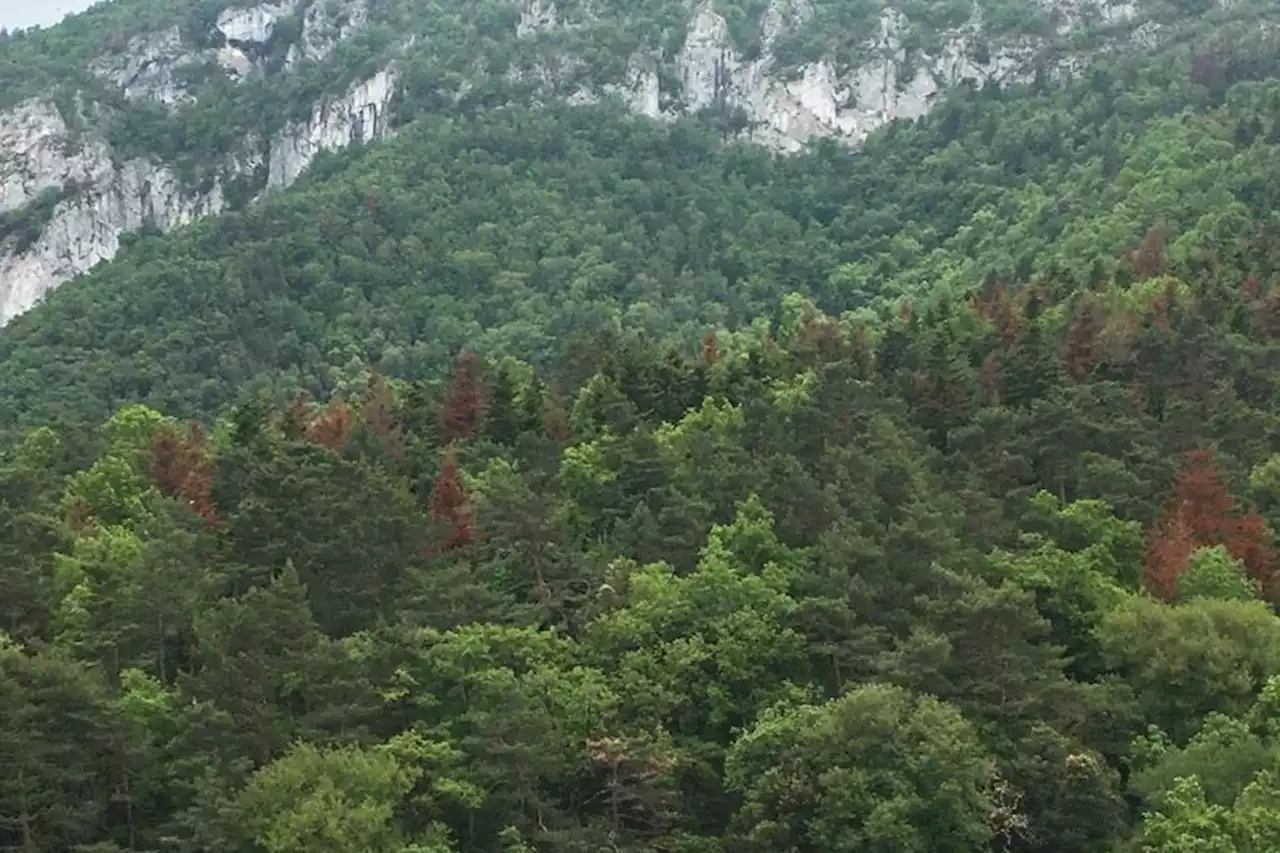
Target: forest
<point>550,480</point>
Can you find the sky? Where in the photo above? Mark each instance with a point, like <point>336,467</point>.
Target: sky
<point>16,14</point>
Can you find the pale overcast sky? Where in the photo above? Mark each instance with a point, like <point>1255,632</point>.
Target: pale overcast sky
<point>16,14</point>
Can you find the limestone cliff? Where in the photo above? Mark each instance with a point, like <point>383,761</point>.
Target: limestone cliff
<point>75,188</point>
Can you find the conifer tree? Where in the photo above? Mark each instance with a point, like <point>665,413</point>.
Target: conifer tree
<point>333,426</point>
<point>462,413</point>
<point>378,413</point>
<point>180,469</point>
<point>450,505</point>
<point>1203,513</point>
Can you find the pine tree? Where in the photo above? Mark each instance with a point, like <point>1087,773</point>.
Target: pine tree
<point>1202,514</point>
<point>180,469</point>
<point>1148,260</point>
<point>462,412</point>
<point>1169,549</point>
<point>378,412</point>
<point>296,416</point>
<point>333,426</point>
<point>451,506</point>
<point>555,420</point>
<point>710,348</point>
<point>1078,356</point>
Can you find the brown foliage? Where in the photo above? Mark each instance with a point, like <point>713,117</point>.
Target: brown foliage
<point>1206,69</point>
<point>180,469</point>
<point>1169,547</point>
<point>296,416</point>
<point>1138,396</point>
<point>1148,260</point>
<point>1161,304</point>
<point>710,348</point>
<point>462,412</point>
<point>1266,312</point>
<point>1251,287</point>
<point>818,333</point>
<point>1203,513</point>
<point>378,411</point>
<point>991,373</point>
<point>333,425</point>
<point>451,506</point>
<point>80,519</point>
<point>1079,349</point>
<point>632,783</point>
<point>998,307</point>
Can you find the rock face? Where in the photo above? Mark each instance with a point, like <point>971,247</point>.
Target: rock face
<point>100,197</point>
<point>787,107</point>
<point>106,199</point>
<point>361,116</point>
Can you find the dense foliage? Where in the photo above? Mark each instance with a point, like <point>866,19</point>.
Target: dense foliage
<point>551,480</point>
<point>507,229</point>
<point>472,52</point>
<point>822,587</point>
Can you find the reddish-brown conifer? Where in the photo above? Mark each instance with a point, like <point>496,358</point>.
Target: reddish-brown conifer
<point>378,411</point>
<point>1206,68</point>
<point>180,469</point>
<point>1078,356</point>
<point>991,373</point>
<point>710,348</point>
<point>462,412</point>
<point>1266,312</point>
<point>451,506</point>
<point>80,519</point>
<point>1148,260</point>
<point>1251,287</point>
<point>1203,513</point>
<point>818,333</point>
<point>333,426</point>
<point>1169,547</point>
<point>296,416</point>
<point>555,420</point>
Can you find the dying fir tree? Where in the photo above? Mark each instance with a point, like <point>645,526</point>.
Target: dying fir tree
<point>462,412</point>
<point>180,468</point>
<point>1203,513</point>
<point>379,414</point>
<point>450,506</point>
<point>332,426</point>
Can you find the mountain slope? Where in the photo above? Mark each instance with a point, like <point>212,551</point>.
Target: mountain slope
<point>513,229</point>
<point>149,114</point>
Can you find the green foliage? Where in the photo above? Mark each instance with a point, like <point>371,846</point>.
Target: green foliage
<point>1218,652</point>
<point>509,229</point>
<point>21,227</point>
<point>836,776</point>
<point>343,798</point>
<point>1249,825</point>
<point>1214,573</point>
<point>812,503</point>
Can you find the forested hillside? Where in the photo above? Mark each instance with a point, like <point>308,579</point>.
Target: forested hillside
<point>507,230</point>
<point>553,480</point>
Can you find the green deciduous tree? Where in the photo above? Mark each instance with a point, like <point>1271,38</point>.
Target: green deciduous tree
<point>878,768</point>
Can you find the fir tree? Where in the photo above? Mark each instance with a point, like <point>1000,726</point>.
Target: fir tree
<point>451,506</point>
<point>462,412</point>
